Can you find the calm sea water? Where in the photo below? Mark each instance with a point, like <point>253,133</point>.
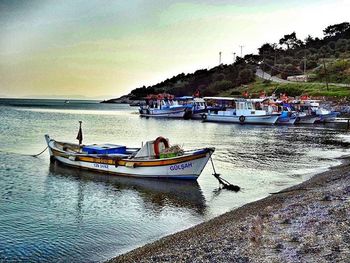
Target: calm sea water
<point>52,213</point>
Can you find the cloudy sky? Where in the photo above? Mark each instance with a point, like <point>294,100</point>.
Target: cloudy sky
<point>103,49</point>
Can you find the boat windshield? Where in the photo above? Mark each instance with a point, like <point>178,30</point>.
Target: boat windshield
<point>245,105</point>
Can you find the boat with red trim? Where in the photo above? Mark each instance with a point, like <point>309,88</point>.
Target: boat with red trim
<point>155,159</point>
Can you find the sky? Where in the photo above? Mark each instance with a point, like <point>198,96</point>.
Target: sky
<point>103,49</point>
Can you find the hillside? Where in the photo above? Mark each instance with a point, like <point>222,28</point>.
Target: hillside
<point>323,60</point>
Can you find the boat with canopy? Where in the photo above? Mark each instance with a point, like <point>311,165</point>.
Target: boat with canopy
<point>238,110</point>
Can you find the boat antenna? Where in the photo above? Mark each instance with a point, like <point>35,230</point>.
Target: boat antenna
<point>80,134</point>
<point>225,184</point>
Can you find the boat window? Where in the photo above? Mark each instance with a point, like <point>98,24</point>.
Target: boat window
<point>249,106</point>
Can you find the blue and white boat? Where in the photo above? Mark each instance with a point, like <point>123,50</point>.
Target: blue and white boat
<point>311,112</point>
<point>240,111</point>
<point>196,107</point>
<point>163,107</point>
<point>288,116</point>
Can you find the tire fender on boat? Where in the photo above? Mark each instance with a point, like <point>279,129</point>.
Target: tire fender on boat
<point>156,144</point>
<point>204,116</point>
<point>241,119</point>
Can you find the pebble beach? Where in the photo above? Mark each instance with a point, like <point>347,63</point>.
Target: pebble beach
<point>309,222</point>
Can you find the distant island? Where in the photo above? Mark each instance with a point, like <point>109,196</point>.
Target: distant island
<point>314,66</point>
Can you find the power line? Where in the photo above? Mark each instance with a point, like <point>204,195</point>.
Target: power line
<point>281,70</point>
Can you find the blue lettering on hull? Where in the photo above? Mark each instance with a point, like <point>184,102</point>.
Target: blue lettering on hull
<point>182,166</point>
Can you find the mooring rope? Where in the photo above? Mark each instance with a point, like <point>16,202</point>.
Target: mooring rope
<point>223,182</point>
<point>36,155</point>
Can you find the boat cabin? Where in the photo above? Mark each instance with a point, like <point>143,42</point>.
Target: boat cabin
<point>240,106</point>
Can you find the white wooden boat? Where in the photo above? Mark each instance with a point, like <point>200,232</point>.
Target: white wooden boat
<point>243,112</point>
<point>153,160</point>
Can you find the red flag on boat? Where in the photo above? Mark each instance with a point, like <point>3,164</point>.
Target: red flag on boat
<point>262,94</point>
<point>197,94</point>
<point>304,97</point>
<point>80,134</point>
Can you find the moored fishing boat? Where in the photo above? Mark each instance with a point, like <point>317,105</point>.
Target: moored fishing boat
<point>287,118</point>
<point>326,115</point>
<point>309,112</point>
<point>303,118</point>
<point>240,111</point>
<point>162,106</point>
<point>155,159</point>
<point>196,107</point>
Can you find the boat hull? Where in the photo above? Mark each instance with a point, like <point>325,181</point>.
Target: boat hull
<point>185,170</point>
<point>164,114</point>
<point>259,119</point>
<point>286,121</point>
<point>306,119</point>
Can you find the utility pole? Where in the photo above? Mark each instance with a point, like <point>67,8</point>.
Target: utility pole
<point>234,57</point>
<point>305,62</point>
<point>241,46</point>
<point>220,58</point>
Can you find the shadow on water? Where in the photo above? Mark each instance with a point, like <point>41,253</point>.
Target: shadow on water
<point>155,193</point>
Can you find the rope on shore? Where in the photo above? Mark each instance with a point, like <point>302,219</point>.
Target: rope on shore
<point>225,184</point>
<point>36,155</point>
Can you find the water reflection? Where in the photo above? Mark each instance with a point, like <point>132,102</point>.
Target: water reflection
<point>156,194</point>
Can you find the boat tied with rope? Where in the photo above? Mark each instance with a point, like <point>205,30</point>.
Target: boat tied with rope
<point>155,159</point>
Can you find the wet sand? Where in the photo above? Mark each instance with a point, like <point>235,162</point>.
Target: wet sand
<point>305,223</point>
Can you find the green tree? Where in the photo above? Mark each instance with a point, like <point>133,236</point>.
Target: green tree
<point>337,30</point>
<point>291,41</point>
<point>267,49</point>
<point>245,76</point>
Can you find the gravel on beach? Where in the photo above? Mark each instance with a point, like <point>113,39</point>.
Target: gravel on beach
<point>309,222</point>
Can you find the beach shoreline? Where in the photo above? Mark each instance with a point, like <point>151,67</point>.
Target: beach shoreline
<point>306,222</point>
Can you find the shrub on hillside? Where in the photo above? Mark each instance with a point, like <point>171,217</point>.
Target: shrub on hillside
<point>341,45</point>
<point>331,45</point>
<point>290,90</point>
<point>245,76</point>
<point>217,87</point>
